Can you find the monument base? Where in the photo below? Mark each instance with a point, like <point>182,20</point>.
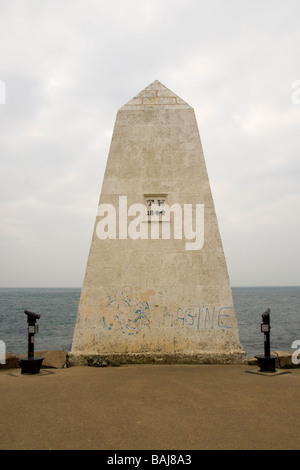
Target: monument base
<point>31,365</point>
<point>230,357</point>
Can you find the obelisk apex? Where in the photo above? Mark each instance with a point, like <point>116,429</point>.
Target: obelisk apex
<point>155,94</point>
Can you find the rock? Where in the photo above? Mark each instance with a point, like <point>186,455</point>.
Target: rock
<point>252,361</point>
<point>12,361</point>
<point>97,362</point>
<point>55,359</point>
<point>284,359</point>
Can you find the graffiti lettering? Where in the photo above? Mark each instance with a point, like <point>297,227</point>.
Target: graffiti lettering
<point>129,317</point>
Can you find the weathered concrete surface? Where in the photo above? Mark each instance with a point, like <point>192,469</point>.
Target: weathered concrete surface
<point>149,299</point>
<point>161,407</point>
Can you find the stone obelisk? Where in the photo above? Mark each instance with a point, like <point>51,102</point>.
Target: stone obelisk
<point>156,287</point>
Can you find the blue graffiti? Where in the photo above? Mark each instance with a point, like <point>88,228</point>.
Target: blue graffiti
<point>199,318</point>
<point>142,311</point>
<point>223,315</point>
<point>130,316</point>
<point>124,318</point>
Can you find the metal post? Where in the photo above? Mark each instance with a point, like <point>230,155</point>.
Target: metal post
<point>267,348</point>
<point>31,328</point>
<point>266,329</point>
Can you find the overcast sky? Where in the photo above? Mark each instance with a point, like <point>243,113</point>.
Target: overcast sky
<point>66,68</point>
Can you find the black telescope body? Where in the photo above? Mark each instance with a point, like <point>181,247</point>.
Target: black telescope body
<point>32,315</point>
<point>266,317</point>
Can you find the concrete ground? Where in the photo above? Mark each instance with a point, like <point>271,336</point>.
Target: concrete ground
<point>150,407</point>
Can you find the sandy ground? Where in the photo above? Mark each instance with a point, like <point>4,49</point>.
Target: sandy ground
<point>150,407</point>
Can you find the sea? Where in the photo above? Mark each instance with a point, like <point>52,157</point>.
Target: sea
<point>58,311</point>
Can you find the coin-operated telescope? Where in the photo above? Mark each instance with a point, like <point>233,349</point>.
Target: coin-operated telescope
<point>31,364</point>
<point>266,361</point>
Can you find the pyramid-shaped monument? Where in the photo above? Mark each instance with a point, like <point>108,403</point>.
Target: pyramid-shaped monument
<point>156,287</point>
